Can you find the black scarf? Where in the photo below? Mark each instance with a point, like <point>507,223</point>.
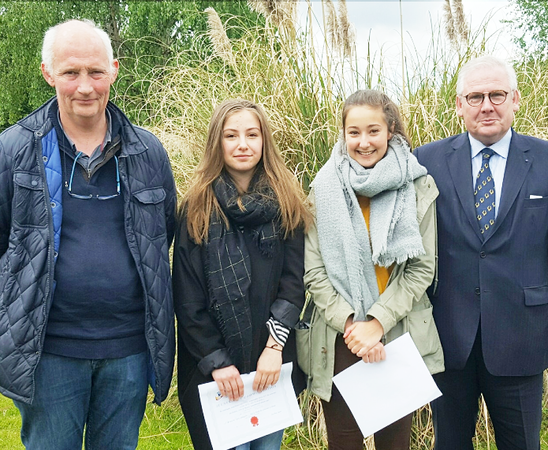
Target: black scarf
<point>229,269</point>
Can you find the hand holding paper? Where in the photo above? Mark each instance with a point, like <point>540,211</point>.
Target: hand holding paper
<point>268,367</point>
<point>229,382</point>
<point>231,423</point>
<point>379,394</point>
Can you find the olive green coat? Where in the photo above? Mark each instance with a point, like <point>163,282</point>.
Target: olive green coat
<point>402,307</point>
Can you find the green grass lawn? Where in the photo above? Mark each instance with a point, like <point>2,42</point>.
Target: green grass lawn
<point>10,424</point>
<point>164,427</point>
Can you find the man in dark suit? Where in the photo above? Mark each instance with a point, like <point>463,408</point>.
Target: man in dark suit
<point>491,301</point>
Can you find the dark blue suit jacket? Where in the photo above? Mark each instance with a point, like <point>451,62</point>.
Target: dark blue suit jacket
<point>500,284</point>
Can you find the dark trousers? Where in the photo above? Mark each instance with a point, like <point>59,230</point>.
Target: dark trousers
<point>514,404</point>
<point>343,432</point>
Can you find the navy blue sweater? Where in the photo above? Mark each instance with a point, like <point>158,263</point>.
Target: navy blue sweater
<point>98,310</point>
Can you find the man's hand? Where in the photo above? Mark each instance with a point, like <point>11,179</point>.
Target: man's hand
<point>360,337</point>
<point>229,382</point>
<point>268,366</point>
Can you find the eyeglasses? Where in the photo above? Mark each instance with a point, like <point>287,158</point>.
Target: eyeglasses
<point>90,196</point>
<point>476,98</point>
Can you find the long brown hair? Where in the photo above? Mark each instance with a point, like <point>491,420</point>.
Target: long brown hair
<point>200,202</point>
<point>377,99</point>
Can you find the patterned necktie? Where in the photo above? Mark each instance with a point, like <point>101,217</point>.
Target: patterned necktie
<point>484,194</point>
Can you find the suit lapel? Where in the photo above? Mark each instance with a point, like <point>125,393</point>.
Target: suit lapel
<point>517,166</point>
<point>460,167</point>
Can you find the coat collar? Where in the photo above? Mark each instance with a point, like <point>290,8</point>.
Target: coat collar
<point>39,120</point>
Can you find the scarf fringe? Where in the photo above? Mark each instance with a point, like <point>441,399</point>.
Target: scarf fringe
<point>387,262</point>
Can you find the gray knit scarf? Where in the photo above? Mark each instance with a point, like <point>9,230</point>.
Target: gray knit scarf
<point>349,252</point>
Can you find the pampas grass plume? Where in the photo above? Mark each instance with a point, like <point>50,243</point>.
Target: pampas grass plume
<point>219,39</point>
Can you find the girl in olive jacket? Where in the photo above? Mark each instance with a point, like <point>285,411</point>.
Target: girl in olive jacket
<point>368,261</point>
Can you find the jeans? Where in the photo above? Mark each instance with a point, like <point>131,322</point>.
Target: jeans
<point>106,397</point>
<point>269,442</point>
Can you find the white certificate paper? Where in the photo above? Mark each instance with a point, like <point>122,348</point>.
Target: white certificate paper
<point>254,415</point>
<point>380,393</point>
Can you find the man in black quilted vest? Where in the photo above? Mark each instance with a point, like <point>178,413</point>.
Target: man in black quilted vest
<point>87,214</point>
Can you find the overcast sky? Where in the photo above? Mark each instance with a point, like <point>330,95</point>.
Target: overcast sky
<point>381,21</point>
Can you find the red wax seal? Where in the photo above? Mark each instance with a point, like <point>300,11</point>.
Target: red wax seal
<point>254,421</point>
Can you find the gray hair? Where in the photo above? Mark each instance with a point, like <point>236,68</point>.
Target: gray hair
<point>51,35</point>
<point>486,62</point>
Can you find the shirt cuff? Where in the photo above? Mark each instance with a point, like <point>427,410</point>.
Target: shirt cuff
<point>278,331</point>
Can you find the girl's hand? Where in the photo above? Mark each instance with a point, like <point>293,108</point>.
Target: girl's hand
<point>268,366</point>
<point>360,337</point>
<point>375,354</point>
<point>229,382</point>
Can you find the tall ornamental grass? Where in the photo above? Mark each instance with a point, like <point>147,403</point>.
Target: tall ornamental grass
<point>302,87</point>
<point>275,66</point>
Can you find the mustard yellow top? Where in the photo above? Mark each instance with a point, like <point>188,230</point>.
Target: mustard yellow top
<point>383,273</point>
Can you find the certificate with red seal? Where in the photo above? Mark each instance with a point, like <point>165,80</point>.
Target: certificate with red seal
<point>255,415</point>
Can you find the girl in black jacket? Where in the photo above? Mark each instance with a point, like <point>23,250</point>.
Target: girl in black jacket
<point>238,265</point>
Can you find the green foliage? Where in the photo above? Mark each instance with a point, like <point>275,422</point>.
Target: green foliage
<point>20,78</point>
<point>531,23</point>
<point>145,34</point>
